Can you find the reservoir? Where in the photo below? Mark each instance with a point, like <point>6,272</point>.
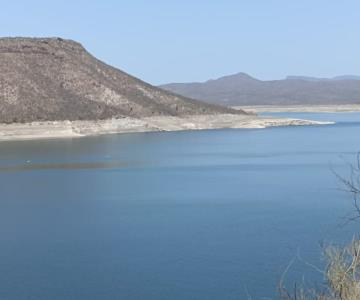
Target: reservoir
<point>214,214</point>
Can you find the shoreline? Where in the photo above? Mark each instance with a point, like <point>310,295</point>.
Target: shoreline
<point>330,108</point>
<point>74,129</point>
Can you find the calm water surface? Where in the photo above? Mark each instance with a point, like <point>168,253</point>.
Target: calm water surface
<point>186,215</point>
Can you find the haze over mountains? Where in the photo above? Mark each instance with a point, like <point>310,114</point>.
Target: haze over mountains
<point>309,78</point>
<point>55,79</point>
<point>242,89</point>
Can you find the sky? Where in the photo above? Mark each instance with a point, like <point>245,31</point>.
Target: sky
<point>163,41</point>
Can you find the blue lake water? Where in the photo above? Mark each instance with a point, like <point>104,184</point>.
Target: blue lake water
<point>184,215</point>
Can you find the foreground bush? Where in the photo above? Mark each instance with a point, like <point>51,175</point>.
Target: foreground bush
<point>342,276</point>
<point>342,272</point>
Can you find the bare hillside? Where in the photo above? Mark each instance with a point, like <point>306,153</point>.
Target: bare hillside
<point>55,79</point>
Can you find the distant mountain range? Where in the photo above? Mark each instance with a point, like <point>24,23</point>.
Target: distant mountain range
<point>308,78</point>
<point>48,79</point>
<point>242,89</point>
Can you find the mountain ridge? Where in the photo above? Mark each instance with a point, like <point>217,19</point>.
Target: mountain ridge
<point>242,89</point>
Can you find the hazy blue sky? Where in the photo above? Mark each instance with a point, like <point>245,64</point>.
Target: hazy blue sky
<point>193,40</point>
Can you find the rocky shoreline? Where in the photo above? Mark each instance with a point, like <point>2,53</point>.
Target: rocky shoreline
<point>73,129</point>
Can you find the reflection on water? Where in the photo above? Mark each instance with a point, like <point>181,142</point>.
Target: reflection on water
<point>183,215</point>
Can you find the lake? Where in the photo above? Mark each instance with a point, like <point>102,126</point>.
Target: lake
<point>215,214</point>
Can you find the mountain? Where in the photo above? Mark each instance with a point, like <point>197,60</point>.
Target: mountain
<point>308,78</point>
<point>56,79</point>
<point>347,77</point>
<point>242,89</point>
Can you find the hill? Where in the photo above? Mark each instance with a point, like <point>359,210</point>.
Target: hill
<point>48,79</point>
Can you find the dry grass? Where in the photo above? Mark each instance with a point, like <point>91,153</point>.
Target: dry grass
<point>342,274</point>
<point>343,271</point>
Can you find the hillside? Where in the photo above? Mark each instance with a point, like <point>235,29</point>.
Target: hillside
<point>48,79</point>
<point>242,89</point>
